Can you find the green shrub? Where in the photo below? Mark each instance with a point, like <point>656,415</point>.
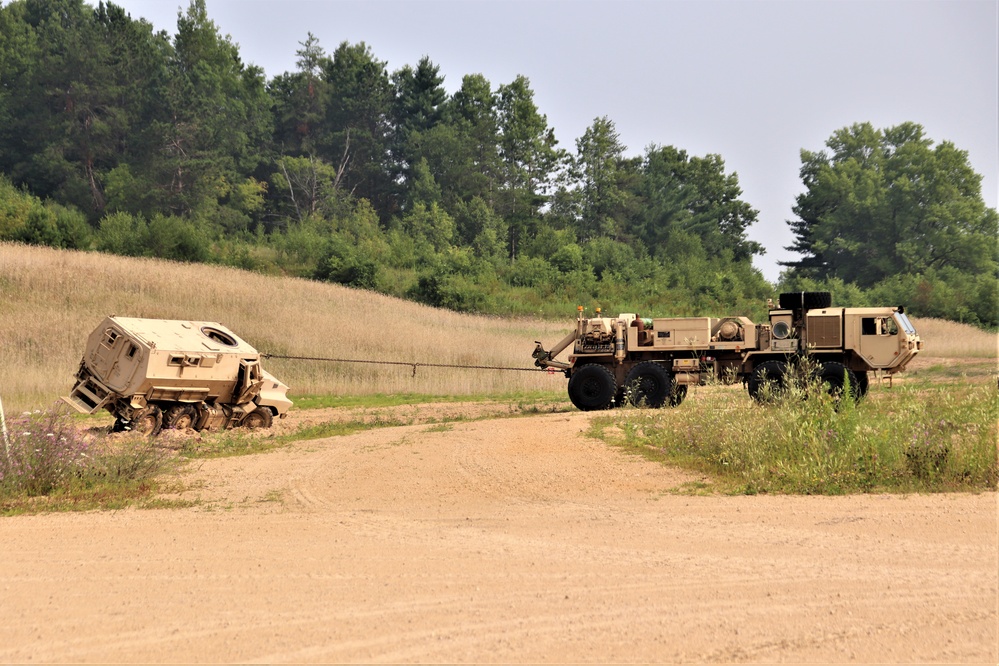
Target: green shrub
<point>344,263</point>
<point>123,234</point>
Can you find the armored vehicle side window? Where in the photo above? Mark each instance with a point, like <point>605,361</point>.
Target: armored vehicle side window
<point>219,336</point>
<point>131,351</point>
<point>112,335</point>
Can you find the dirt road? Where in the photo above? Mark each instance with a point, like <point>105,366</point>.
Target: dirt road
<point>506,540</point>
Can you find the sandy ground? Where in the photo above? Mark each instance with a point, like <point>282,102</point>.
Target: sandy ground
<point>502,540</point>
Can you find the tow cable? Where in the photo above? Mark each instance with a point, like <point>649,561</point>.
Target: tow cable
<point>403,363</point>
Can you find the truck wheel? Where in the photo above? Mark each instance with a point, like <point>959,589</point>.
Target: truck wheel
<point>180,417</point>
<point>805,300</point>
<point>260,417</point>
<point>592,387</point>
<point>650,384</point>
<point>769,380</point>
<point>148,422</point>
<point>833,377</point>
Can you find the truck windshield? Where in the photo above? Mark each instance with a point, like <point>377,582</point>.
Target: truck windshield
<point>905,323</point>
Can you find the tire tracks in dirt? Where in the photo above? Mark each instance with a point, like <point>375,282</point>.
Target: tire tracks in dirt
<point>515,540</point>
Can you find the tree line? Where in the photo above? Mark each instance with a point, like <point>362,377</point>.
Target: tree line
<point>121,139</point>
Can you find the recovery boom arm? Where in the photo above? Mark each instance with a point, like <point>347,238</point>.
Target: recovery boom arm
<point>546,359</point>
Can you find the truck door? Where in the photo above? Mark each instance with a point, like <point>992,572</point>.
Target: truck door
<point>879,340</point>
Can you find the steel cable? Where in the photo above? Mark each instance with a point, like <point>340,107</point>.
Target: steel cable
<point>409,364</point>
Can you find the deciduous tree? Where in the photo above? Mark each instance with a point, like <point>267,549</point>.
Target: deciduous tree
<point>886,202</point>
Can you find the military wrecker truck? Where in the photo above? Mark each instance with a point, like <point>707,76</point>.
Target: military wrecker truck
<point>653,361</point>
<point>156,373</point>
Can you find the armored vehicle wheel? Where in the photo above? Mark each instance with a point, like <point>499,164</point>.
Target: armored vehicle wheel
<point>769,380</point>
<point>592,387</point>
<point>260,417</point>
<point>805,300</point>
<point>834,376</point>
<point>148,422</point>
<point>650,384</point>
<point>180,417</point>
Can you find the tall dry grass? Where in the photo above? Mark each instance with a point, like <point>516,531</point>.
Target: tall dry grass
<point>50,301</point>
<point>949,339</point>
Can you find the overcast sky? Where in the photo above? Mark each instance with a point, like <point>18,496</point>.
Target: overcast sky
<point>754,81</point>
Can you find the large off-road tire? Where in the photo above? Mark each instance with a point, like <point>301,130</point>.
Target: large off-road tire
<point>834,376</point>
<point>650,384</point>
<point>261,417</point>
<point>592,387</point>
<point>148,422</point>
<point>180,417</point>
<point>805,300</point>
<point>768,381</point>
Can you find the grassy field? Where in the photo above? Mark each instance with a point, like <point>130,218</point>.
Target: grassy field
<point>949,339</point>
<point>934,430</point>
<point>51,300</point>
<point>914,437</point>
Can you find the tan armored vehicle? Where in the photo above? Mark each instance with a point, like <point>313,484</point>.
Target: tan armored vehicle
<point>156,373</point>
<point>653,361</point>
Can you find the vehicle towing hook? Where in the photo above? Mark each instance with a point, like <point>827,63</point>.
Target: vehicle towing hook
<point>540,355</point>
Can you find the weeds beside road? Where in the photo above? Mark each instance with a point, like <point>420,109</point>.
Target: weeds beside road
<point>49,463</point>
<point>911,438</point>
<point>916,437</point>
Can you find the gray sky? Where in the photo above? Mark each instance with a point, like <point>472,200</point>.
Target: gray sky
<point>754,81</point>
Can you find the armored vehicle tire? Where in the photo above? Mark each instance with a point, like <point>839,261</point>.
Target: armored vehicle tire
<point>592,387</point>
<point>261,417</point>
<point>650,384</point>
<point>773,373</point>
<point>834,377</point>
<point>180,417</point>
<point>807,300</point>
<point>148,422</point>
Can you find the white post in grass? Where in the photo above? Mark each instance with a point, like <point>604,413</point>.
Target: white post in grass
<point>3,423</point>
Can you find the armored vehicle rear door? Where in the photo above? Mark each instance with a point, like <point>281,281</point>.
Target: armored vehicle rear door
<point>115,359</point>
